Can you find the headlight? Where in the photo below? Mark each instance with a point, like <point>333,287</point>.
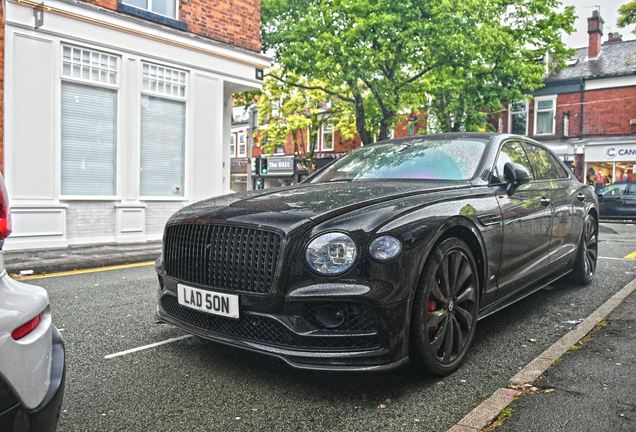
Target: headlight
<point>385,248</point>
<point>331,254</point>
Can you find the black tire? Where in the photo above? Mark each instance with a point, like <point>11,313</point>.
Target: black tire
<point>584,268</point>
<point>445,309</point>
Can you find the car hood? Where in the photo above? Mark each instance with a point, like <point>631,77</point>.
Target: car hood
<point>292,207</point>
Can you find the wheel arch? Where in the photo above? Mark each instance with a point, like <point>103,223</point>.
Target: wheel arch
<point>463,229</point>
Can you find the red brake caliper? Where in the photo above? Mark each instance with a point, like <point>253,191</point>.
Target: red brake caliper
<point>432,307</point>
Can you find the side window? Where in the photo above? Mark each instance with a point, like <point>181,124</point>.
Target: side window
<point>632,189</point>
<point>615,189</point>
<point>511,151</point>
<point>543,163</point>
<point>562,172</point>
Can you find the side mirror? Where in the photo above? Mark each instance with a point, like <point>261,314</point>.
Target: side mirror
<point>600,196</point>
<point>515,175</point>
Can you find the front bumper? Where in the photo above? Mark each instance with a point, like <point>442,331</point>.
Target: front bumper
<point>44,417</point>
<point>372,337</point>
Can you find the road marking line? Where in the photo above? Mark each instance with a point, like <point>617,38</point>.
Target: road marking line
<point>145,347</point>
<point>614,258</point>
<point>631,256</point>
<point>93,270</point>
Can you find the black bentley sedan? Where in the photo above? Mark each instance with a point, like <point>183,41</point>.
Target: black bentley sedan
<point>391,253</point>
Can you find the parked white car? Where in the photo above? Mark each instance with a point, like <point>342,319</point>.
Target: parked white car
<point>32,364</point>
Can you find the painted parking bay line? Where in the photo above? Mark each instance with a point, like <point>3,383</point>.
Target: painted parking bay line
<point>145,347</point>
<point>631,255</point>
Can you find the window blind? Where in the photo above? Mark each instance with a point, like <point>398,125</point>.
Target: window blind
<point>162,147</point>
<point>89,140</point>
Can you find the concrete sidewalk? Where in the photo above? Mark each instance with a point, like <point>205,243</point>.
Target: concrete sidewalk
<point>80,257</point>
<point>584,382</point>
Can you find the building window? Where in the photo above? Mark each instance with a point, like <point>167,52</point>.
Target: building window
<point>163,111</point>
<point>232,145</point>
<point>240,114</point>
<point>518,118</point>
<point>327,137</point>
<point>411,128</point>
<point>89,123</point>
<point>88,65</point>
<point>242,144</point>
<point>544,118</point>
<point>279,149</point>
<point>162,7</point>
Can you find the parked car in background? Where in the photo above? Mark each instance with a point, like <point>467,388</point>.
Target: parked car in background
<point>32,364</point>
<point>391,253</point>
<point>618,201</point>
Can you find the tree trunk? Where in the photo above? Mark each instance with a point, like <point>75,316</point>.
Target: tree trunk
<point>360,120</point>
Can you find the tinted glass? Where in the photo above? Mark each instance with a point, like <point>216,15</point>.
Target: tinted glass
<point>511,151</point>
<point>632,189</point>
<point>542,162</point>
<point>425,160</point>
<point>562,172</point>
<point>615,189</point>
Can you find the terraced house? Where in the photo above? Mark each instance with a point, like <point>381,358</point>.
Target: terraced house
<point>116,114</point>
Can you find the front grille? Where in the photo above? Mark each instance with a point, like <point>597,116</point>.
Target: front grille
<point>263,329</point>
<point>228,257</point>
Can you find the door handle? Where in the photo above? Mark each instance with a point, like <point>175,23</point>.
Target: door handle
<point>545,201</point>
<point>580,197</point>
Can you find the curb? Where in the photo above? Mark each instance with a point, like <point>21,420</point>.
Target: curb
<point>487,411</point>
<point>82,262</point>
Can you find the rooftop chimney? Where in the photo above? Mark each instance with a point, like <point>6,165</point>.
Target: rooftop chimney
<point>595,30</point>
<point>614,37</point>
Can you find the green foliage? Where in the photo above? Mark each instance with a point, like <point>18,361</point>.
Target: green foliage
<point>389,57</point>
<point>627,15</point>
<point>278,108</point>
<point>486,53</point>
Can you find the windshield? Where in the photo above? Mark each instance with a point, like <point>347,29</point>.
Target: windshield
<point>418,160</point>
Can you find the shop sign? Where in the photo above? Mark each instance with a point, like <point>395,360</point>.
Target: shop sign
<point>610,153</point>
<point>280,166</point>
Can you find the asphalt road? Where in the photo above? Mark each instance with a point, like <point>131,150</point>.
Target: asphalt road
<point>197,385</point>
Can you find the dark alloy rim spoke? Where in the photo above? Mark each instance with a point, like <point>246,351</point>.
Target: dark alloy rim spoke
<point>441,335</point>
<point>468,295</point>
<point>449,342</point>
<point>437,294</point>
<point>444,280</point>
<point>434,318</point>
<point>459,344</point>
<point>464,273</point>
<point>465,316</point>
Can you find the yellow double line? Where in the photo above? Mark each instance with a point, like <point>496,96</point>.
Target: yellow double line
<point>631,255</point>
<point>117,267</point>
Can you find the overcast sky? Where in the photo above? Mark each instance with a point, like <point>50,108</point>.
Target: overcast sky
<point>609,12</point>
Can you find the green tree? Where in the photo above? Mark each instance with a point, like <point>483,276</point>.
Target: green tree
<point>627,15</point>
<point>387,57</point>
<point>288,111</point>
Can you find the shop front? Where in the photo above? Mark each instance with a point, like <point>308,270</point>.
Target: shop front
<point>615,161</point>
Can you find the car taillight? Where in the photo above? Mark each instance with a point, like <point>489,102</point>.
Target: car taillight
<point>5,213</point>
<point>27,328</point>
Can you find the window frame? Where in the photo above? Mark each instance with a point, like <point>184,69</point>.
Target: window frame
<point>87,82</point>
<point>177,98</point>
<point>233,143</point>
<point>322,137</point>
<point>238,144</point>
<point>511,113</point>
<point>177,9</point>
<point>552,98</point>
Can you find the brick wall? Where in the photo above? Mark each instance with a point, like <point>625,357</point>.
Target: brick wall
<point>158,213</point>
<point>90,219</point>
<point>235,22</point>
<point>606,113</point>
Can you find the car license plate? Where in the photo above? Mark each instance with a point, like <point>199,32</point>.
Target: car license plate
<point>208,301</point>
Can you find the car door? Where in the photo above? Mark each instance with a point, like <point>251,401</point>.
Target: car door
<point>611,200</point>
<point>561,192</point>
<point>527,225</point>
<point>628,210</point>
